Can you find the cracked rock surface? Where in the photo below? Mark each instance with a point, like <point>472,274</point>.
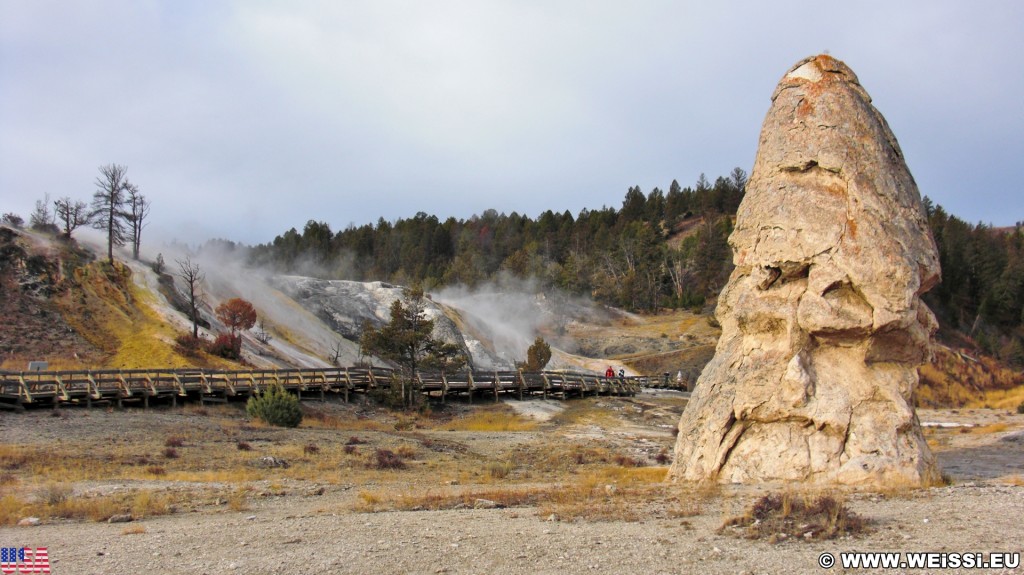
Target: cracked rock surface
<point>823,326</point>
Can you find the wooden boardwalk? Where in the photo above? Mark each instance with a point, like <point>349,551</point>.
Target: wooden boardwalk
<point>140,386</point>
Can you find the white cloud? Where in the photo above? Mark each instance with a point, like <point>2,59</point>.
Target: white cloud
<point>250,117</point>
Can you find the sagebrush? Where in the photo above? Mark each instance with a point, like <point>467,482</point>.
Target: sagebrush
<point>275,406</point>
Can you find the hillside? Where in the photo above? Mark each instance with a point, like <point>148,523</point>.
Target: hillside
<point>63,306</point>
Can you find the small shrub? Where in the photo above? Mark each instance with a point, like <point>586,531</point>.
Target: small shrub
<point>627,461</point>
<point>354,441</point>
<point>500,469</point>
<point>310,449</point>
<point>174,441</point>
<point>226,346</point>
<point>238,501</point>
<point>788,515</point>
<point>387,459</point>
<point>243,446</point>
<point>156,470</point>
<point>187,345</point>
<point>662,458</point>
<point>406,451</point>
<point>170,453</point>
<point>12,219</point>
<point>54,493</point>
<point>350,449</point>
<point>1020,408</point>
<point>148,504</point>
<point>276,407</point>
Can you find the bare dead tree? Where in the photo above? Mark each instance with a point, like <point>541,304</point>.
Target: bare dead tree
<point>261,333</point>
<point>193,277</point>
<point>41,219</point>
<point>336,353</point>
<point>136,214</point>
<point>108,205</point>
<point>71,214</point>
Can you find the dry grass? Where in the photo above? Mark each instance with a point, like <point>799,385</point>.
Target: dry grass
<point>953,380</point>
<point>991,428</point>
<point>314,418</point>
<point>370,501</point>
<point>239,500</point>
<point>117,317</point>
<point>496,418</point>
<point>134,530</point>
<point>500,469</point>
<point>140,505</point>
<point>1002,398</point>
<point>788,515</point>
<point>609,495</point>
<point>585,412</point>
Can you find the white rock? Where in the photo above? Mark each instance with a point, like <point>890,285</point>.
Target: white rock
<point>822,323</point>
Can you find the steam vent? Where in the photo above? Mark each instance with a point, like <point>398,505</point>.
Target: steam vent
<point>823,327</point>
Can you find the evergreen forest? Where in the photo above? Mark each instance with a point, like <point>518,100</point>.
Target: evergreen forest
<point>658,250</point>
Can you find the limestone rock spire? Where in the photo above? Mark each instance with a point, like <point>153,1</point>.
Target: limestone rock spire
<point>822,323</point>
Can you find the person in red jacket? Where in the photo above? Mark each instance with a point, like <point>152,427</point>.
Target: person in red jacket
<point>609,372</point>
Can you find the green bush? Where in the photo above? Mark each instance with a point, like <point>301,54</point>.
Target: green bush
<point>276,407</point>
<point>1020,408</point>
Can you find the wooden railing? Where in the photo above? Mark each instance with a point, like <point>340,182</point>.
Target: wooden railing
<point>18,388</point>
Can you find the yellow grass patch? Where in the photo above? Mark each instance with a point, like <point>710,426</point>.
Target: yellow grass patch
<point>493,418</point>
<point>116,316</point>
<point>1002,398</point>
<point>606,495</point>
<point>991,428</point>
<point>47,505</point>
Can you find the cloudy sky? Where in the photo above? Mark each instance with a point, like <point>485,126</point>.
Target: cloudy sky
<point>240,119</point>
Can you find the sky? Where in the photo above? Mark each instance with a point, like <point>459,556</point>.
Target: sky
<point>241,119</point>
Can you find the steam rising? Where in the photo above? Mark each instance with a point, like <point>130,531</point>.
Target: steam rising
<point>312,320</point>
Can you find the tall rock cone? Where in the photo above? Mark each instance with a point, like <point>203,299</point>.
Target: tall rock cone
<point>822,323</point>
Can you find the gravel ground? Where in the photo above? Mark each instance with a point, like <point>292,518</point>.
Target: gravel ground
<point>301,536</point>
<point>313,530</point>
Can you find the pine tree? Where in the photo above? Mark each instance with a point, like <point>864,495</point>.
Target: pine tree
<point>538,355</point>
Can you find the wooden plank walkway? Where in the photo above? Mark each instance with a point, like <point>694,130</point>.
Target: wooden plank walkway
<point>21,388</point>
